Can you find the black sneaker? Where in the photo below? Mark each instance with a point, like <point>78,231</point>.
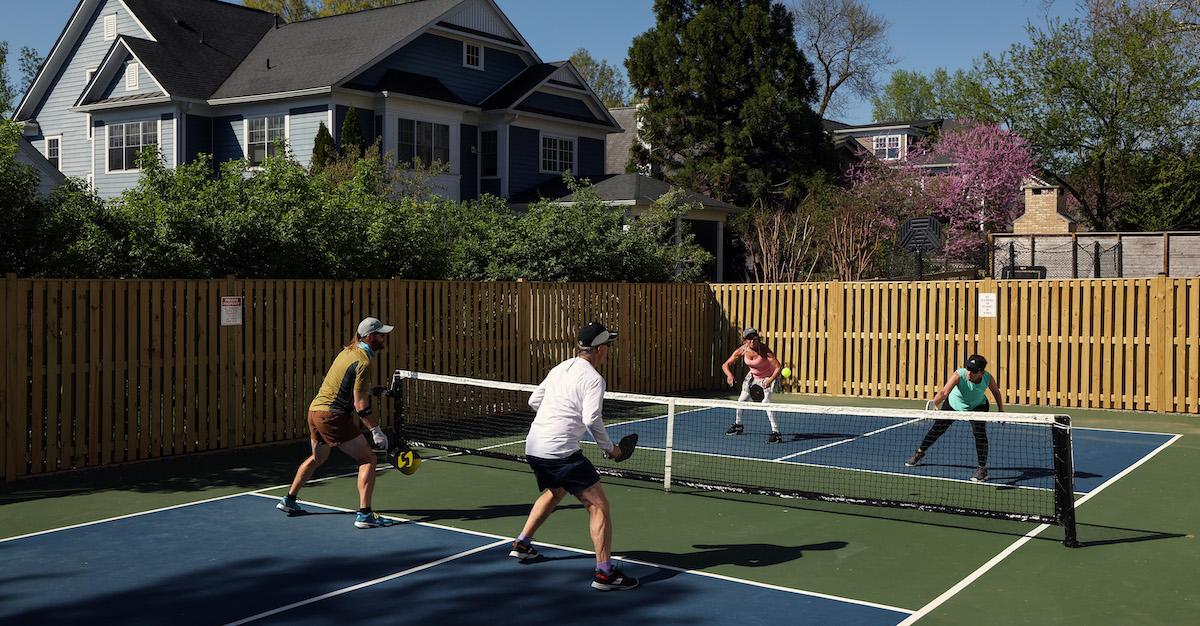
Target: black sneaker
<point>736,429</point>
<point>775,438</point>
<point>915,458</point>
<point>616,581</point>
<point>980,475</point>
<point>525,552</point>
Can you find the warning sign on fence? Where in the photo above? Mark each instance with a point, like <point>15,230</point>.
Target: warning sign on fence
<point>231,310</point>
<point>987,304</point>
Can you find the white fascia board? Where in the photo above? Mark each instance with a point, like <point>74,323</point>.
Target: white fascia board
<point>394,47</point>
<point>101,106</point>
<point>279,95</point>
<point>54,60</point>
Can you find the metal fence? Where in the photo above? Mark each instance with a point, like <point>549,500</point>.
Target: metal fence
<point>1094,255</point>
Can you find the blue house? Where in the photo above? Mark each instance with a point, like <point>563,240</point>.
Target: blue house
<point>442,80</point>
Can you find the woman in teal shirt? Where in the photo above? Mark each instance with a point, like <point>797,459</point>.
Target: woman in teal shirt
<point>964,391</point>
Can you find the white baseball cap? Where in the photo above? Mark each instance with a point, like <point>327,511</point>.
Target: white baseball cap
<point>372,325</point>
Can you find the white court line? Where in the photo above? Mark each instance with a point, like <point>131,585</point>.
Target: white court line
<point>838,443</point>
<point>503,539</point>
<point>1117,430</point>
<point>178,506</point>
<point>368,583</point>
<point>983,569</point>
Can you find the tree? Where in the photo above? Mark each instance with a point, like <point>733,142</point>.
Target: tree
<point>296,10</point>
<point>30,63</point>
<point>1094,93</point>
<point>728,97</point>
<point>1170,200</point>
<point>783,246</point>
<point>604,79</point>
<point>848,46</point>
<point>982,193</point>
<point>907,96</point>
<point>352,137</point>
<point>324,152</point>
<point>7,95</point>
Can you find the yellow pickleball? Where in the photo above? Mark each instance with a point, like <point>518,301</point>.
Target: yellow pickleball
<point>787,372</point>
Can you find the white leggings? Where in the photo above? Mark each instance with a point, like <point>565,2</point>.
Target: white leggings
<point>768,393</point>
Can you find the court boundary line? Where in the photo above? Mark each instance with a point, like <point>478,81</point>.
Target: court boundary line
<point>845,441</point>
<point>366,583</point>
<point>1119,430</point>
<point>505,539</point>
<point>995,560</point>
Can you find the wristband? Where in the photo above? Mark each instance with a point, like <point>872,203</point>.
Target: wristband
<point>365,413</point>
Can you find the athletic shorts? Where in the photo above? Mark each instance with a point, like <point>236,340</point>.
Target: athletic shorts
<point>574,473</point>
<point>332,428</point>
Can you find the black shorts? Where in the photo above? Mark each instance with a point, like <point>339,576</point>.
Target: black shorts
<point>574,473</point>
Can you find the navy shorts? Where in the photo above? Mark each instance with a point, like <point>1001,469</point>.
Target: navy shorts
<point>574,473</point>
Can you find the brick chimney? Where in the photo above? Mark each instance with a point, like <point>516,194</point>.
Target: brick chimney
<point>1045,210</point>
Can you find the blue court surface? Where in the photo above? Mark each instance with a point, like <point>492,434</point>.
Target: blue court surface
<point>1019,455</point>
<point>238,560</point>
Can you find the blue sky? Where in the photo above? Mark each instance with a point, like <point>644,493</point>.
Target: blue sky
<point>925,34</point>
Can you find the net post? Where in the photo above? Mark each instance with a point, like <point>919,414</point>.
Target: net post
<point>1064,479</point>
<point>669,446</point>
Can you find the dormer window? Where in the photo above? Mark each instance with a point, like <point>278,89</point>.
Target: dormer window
<point>887,147</point>
<point>131,77</point>
<point>472,56</point>
<point>110,27</point>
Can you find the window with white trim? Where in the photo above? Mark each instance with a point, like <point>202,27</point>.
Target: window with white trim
<point>427,141</point>
<point>131,76</point>
<point>54,151</point>
<point>887,147</point>
<point>489,149</point>
<point>265,135</point>
<point>472,56</point>
<point>558,154</point>
<point>110,27</point>
<point>126,142</point>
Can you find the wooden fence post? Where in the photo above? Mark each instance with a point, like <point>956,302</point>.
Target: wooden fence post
<point>524,351</point>
<point>837,339</point>
<point>231,371</point>
<point>1161,344</point>
<point>8,376</point>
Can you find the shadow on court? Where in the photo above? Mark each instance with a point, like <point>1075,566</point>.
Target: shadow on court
<point>1092,535</point>
<point>740,554</point>
<point>487,512</point>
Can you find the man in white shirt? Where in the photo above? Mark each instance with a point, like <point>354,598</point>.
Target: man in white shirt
<point>570,402</point>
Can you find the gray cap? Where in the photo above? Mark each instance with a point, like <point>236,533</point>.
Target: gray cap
<point>372,325</point>
<point>750,333</point>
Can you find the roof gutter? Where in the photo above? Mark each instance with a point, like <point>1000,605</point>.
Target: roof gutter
<point>279,95</point>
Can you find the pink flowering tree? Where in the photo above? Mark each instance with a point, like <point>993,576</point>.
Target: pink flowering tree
<point>982,194</point>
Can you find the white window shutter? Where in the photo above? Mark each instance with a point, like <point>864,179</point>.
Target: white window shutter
<point>110,27</point>
<point>131,76</point>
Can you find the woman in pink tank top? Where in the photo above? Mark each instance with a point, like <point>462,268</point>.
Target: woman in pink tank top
<point>764,371</point>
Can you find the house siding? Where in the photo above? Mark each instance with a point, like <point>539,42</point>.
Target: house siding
<point>116,87</point>
<point>441,57</point>
<point>524,156</point>
<point>557,104</point>
<point>227,139</point>
<point>591,157</point>
<point>469,166</point>
<point>110,185</point>
<point>198,137</point>
<point>53,114</point>
<point>304,123</point>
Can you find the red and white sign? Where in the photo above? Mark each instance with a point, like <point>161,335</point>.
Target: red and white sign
<point>231,310</point>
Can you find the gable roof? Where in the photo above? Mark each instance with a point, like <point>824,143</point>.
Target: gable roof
<point>520,86</point>
<point>618,145</point>
<point>408,83</point>
<point>199,43</point>
<point>326,51</point>
<point>48,176</point>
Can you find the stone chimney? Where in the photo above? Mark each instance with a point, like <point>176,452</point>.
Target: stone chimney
<point>1045,210</point>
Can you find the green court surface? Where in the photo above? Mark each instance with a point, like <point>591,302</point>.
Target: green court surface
<point>1138,562</point>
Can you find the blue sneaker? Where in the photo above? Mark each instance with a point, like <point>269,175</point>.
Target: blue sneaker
<point>289,506</point>
<point>372,520</point>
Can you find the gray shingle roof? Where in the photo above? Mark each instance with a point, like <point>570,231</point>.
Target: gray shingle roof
<point>639,188</point>
<point>199,42</point>
<point>325,51</point>
<point>511,93</point>
<point>618,145</point>
<point>419,85</point>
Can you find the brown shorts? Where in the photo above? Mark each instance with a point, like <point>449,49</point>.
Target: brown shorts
<point>332,428</point>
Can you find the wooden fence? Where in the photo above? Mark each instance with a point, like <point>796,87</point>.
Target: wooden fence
<point>1131,344</point>
<point>97,372</point>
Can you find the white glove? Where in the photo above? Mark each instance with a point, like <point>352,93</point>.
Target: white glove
<point>379,438</point>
